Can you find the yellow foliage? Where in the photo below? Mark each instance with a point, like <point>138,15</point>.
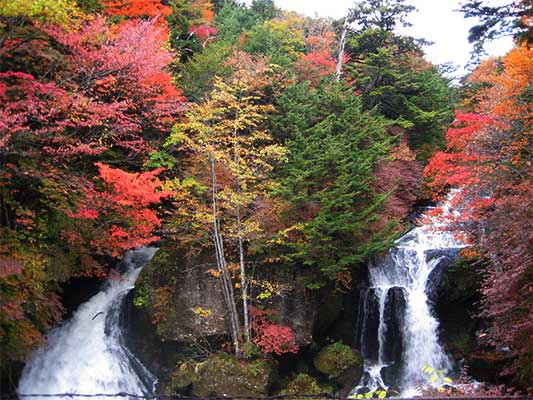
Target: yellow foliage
<point>55,11</point>
<point>202,312</point>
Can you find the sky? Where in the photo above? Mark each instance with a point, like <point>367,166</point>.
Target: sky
<point>435,21</point>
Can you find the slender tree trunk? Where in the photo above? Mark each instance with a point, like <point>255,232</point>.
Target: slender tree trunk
<point>227,284</point>
<point>342,45</point>
<point>244,279</point>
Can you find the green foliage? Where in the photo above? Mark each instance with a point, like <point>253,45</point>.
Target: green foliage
<point>380,14</point>
<point>305,384</point>
<point>160,159</point>
<point>90,6</point>
<point>334,148</point>
<point>397,83</point>
<point>232,19</point>
<point>495,21</point>
<point>282,41</point>
<point>197,77</point>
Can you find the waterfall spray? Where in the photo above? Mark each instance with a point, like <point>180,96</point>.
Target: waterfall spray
<point>87,354</point>
<point>398,331</point>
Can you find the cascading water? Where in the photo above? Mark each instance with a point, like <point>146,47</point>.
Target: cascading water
<point>87,354</point>
<point>397,331</point>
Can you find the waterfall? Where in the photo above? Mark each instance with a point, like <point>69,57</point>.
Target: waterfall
<point>397,330</point>
<point>87,354</point>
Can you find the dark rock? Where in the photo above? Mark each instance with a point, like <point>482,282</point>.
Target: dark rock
<point>444,259</point>
<point>391,374</point>
<point>486,366</point>
<point>394,317</point>
<point>370,326</point>
<point>184,299</point>
<point>436,276</point>
<point>294,304</point>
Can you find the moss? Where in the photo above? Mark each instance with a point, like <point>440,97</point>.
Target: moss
<point>224,374</point>
<point>305,384</point>
<point>334,359</point>
<point>184,377</point>
<point>340,363</point>
<point>459,345</point>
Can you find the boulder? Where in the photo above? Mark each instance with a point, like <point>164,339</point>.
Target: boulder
<point>340,364</point>
<point>223,374</point>
<point>182,297</point>
<point>305,384</point>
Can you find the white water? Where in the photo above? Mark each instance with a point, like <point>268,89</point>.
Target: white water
<point>408,267</point>
<point>86,355</point>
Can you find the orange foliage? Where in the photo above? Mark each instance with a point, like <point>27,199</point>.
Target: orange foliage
<point>136,8</point>
<point>117,218</point>
<point>489,157</point>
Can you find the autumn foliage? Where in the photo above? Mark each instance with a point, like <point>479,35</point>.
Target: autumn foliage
<point>271,337</point>
<point>82,105</point>
<point>117,217</point>
<point>273,158</point>
<point>136,8</point>
<point>489,158</point>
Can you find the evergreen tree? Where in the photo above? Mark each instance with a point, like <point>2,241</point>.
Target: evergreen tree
<point>334,148</point>
<point>496,21</point>
<point>392,77</point>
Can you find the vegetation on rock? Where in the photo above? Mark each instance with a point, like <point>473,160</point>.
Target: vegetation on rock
<point>340,363</point>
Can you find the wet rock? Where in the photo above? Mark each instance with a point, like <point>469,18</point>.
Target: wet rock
<point>391,374</point>
<point>443,263</point>
<point>369,339</point>
<point>340,364</point>
<point>394,317</point>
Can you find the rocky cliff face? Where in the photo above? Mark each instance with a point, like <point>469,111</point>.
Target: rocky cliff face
<point>184,299</point>
<point>179,303</point>
<point>462,330</point>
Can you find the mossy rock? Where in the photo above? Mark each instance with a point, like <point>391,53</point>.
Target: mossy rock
<point>184,377</point>
<point>340,363</point>
<point>305,384</point>
<point>224,374</point>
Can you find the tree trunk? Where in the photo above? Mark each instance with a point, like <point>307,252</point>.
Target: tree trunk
<point>225,277</point>
<point>244,279</point>
<point>342,45</point>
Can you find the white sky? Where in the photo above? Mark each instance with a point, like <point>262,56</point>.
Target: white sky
<point>435,21</point>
